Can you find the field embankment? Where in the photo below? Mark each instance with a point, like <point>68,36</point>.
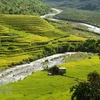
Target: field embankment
<point>26,38</point>
<point>40,86</point>
<point>22,38</point>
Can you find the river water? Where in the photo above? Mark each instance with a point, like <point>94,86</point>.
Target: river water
<point>50,15</point>
<point>92,28</point>
<point>20,72</point>
<point>58,11</point>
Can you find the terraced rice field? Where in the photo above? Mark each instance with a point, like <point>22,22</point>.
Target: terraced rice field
<point>26,23</point>
<point>23,37</point>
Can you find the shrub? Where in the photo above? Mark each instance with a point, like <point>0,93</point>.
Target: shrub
<point>54,70</point>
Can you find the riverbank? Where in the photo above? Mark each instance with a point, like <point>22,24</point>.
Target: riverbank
<point>92,28</point>
<point>58,11</point>
<point>17,73</point>
<point>40,86</point>
<point>20,72</point>
<point>51,14</point>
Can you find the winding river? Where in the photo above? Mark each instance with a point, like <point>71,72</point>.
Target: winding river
<point>50,15</point>
<point>20,72</point>
<point>92,28</point>
<point>58,11</point>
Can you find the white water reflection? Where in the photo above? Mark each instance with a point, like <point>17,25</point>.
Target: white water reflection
<point>92,28</point>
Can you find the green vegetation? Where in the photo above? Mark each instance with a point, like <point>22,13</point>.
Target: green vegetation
<point>87,90</point>
<point>80,68</point>
<point>40,86</point>
<point>33,7</point>
<point>79,4</point>
<point>76,29</point>
<point>26,38</point>
<point>71,14</point>
<point>23,37</point>
<point>32,24</point>
<point>89,45</point>
<point>86,11</point>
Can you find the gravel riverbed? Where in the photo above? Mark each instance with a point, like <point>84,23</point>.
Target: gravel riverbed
<point>21,71</point>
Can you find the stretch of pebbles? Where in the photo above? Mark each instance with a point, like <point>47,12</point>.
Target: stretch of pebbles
<point>21,71</point>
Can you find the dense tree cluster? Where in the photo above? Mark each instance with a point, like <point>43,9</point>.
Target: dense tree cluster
<point>87,90</point>
<point>84,16</point>
<point>89,45</point>
<point>23,7</point>
<point>79,4</point>
<point>86,11</point>
<point>54,70</point>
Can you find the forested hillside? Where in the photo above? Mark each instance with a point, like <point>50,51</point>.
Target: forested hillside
<point>86,11</point>
<point>80,4</point>
<point>30,44</point>
<point>23,7</point>
<point>77,15</point>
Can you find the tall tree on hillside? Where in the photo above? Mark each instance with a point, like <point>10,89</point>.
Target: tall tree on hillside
<point>89,90</point>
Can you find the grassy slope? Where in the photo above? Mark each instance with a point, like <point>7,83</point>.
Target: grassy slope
<point>19,43</point>
<point>23,37</point>
<point>40,86</point>
<point>32,24</point>
<point>81,68</point>
<point>28,7</point>
<point>19,36</point>
<point>91,17</point>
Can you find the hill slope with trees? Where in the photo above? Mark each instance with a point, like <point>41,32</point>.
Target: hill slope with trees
<point>79,4</point>
<point>23,7</point>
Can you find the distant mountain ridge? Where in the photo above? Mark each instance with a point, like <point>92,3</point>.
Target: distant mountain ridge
<point>79,4</point>
<point>23,7</point>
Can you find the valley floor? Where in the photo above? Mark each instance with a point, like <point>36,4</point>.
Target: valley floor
<point>22,43</point>
<point>21,71</point>
<point>40,86</point>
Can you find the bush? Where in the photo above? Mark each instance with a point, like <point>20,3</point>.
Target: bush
<point>87,90</point>
<point>54,70</point>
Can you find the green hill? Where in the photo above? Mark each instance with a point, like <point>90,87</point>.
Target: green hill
<point>77,15</point>
<point>23,7</point>
<point>23,37</point>
<point>85,11</point>
<point>26,23</point>
<point>79,4</point>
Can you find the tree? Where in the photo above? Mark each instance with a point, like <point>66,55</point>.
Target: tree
<point>54,70</point>
<point>87,90</point>
<point>82,91</point>
<point>94,79</point>
<point>32,7</point>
